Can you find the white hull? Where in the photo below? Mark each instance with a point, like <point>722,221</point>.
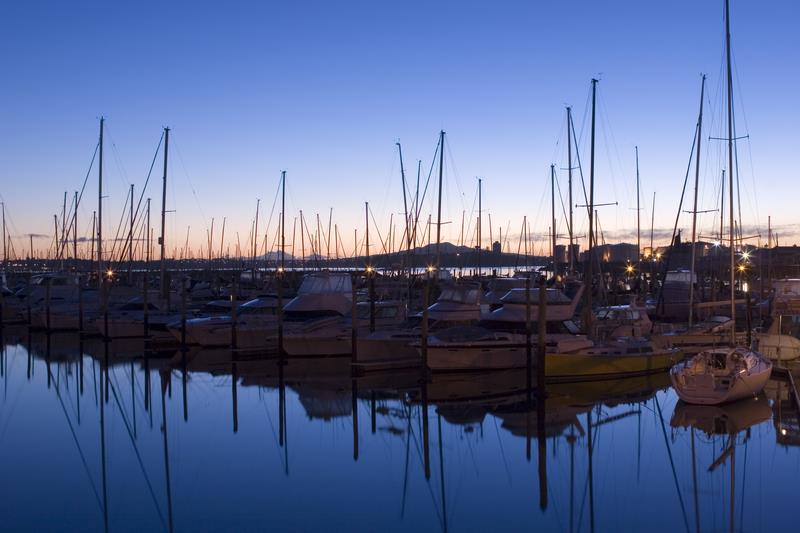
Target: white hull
<point>702,380</point>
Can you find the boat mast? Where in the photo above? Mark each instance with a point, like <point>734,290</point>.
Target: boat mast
<point>590,260</point>
<point>480,182</point>
<point>569,179</point>
<point>161,241</point>
<point>405,200</point>
<point>283,220</point>
<point>147,237</point>
<point>553,213</point>
<point>130,235</point>
<point>5,239</point>
<point>638,223</point>
<point>439,208</point>
<point>730,166</point>
<point>694,211</point>
<point>74,231</point>
<point>100,209</point>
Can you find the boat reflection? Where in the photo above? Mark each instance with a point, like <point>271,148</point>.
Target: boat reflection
<point>728,425</point>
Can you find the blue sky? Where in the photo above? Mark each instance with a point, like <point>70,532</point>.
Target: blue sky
<point>325,89</point>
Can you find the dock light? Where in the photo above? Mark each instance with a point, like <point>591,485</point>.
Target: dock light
<point>741,268</point>
<point>109,273</point>
<point>430,268</point>
<point>783,431</point>
<point>629,269</point>
<point>280,269</point>
<point>746,256</point>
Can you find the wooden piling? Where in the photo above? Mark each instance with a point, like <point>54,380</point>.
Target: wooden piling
<point>233,313</point>
<point>47,304</point>
<point>80,309</point>
<point>541,355</point>
<point>371,279</point>
<point>424,334</point>
<point>183,314</point>
<point>353,321</point>
<point>146,305</point>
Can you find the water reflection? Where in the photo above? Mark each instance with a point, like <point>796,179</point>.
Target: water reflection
<point>117,438</point>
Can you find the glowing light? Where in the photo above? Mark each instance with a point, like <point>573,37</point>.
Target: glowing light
<point>370,269</point>
<point>280,269</point>
<point>110,273</point>
<point>629,269</point>
<point>741,268</point>
<point>746,255</point>
<point>783,431</point>
<point>430,268</point>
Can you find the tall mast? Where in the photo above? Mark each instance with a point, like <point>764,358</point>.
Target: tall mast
<point>64,234</point>
<point>74,230</point>
<point>638,222</point>
<point>222,237</point>
<point>5,239</point>
<point>730,165</point>
<point>147,236</point>
<point>439,208</point>
<point>130,234</point>
<point>480,183</point>
<point>255,236</point>
<point>100,208</point>
<point>283,220</point>
<point>569,171</point>
<point>696,186</point>
<point>590,262</point>
<point>405,201</point>
<point>416,202</point>
<point>161,240</point>
<point>553,213</point>
<point>366,220</point>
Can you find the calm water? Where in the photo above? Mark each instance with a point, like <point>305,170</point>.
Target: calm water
<point>215,443</point>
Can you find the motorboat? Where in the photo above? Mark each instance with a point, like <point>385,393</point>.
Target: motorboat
<point>459,304</point>
<point>256,324</point>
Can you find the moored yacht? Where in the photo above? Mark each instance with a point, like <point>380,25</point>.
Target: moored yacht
<point>721,375</point>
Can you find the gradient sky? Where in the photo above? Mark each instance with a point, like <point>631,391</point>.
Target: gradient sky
<point>325,89</point>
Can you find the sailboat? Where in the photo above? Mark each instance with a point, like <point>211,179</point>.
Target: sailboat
<point>720,375</point>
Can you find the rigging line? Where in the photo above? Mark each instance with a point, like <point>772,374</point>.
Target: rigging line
<point>83,187</point>
<point>563,207</point>
<point>147,180</point>
<point>749,145</point>
<point>427,481</point>
<point>77,443</point>
<point>272,212</point>
<point>608,131</point>
<point>375,223</point>
<point>580,165</point>
<point>680,207</point>
<point>672,464</point>
<point>456,175</point>
<point>274,433</point>
<point>119,227</point>
<point>189,181</point>
<point>421,202</point>
<point>117,159</point>
<point>138,456</point>
<point>502,450</point>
